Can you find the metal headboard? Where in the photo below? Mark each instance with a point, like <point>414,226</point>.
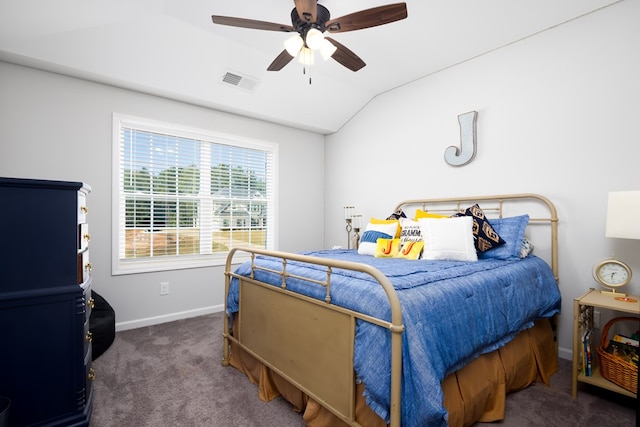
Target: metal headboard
<point>494,206</point>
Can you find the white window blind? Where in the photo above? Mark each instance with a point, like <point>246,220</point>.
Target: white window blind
<point>185,197</point>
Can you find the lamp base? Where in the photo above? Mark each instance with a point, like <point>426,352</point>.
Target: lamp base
<point>355,239</point>
<point>614,293</point>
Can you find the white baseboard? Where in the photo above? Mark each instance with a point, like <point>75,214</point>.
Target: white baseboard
<point>139,323</point>
<point>565,353</point>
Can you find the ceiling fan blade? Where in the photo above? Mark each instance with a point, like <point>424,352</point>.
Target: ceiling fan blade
<point>345,56</point>
<point>368,18</point>
<point>307,10</point>
<point>250,23</point>
<point>281,60</point>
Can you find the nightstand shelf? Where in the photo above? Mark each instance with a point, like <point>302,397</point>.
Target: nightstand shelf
<point>583,308</point>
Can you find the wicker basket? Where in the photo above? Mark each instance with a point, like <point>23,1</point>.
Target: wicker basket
<point>615,369</point>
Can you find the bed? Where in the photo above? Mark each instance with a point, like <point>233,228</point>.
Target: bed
<point>359,337</point>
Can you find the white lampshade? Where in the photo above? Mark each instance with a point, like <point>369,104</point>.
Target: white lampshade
<point>293,45</point>
<point>623,215</point>
<point>306,56</point>
<point>327,49</point>
<point>314,39</point>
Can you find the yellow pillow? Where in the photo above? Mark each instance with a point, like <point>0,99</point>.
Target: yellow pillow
<point>411,250</point>
<point>387,248</point>
<point>422,214</point>
<point>388,221</point>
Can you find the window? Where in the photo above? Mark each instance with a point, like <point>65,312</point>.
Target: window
<point>184,197</point>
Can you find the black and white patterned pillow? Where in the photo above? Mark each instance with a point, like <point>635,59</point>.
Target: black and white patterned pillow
<point>484,235</point>
<point>397,214</point>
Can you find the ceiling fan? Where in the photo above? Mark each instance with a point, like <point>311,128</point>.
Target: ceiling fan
<point>310,20</point>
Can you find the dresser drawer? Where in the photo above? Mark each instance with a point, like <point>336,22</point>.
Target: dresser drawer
<point>89,374</point>
<point>83,236</point>
<point>82,207</point>
<point>88,337</point>
<point>84,266</point>
<point>89,303</point>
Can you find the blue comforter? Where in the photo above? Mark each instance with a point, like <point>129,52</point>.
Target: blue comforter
<point>452,311</point>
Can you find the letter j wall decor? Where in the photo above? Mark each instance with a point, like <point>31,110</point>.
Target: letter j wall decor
<point>461,156</point>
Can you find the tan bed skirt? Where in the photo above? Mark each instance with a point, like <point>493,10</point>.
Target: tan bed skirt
<point>475,393</point>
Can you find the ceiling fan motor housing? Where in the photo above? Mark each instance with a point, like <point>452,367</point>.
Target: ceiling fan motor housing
<point>304,25</point>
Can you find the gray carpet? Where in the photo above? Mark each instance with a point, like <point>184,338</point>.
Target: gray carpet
<point>171,375</point>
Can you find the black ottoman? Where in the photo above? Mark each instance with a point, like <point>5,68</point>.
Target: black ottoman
<point>102,324</point>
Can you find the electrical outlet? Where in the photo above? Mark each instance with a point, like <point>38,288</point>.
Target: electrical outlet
<point>596,319</point>
<point>164,288</point>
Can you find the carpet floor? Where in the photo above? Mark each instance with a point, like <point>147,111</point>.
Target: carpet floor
<point>171,375</point>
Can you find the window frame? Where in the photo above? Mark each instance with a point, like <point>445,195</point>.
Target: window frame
<point>165,263</point>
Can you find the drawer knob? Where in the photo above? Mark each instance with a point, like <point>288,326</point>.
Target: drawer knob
<point>87,237</point>
<point>91,302</point>
<point>84,210</point>
<point>89,337</point>
<point>92,374</point>
<point>87,266</point>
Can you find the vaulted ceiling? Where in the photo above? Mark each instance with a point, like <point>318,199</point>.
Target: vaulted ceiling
<point>172,49</point>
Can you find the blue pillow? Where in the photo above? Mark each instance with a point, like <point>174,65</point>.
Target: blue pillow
<point>511,229</point>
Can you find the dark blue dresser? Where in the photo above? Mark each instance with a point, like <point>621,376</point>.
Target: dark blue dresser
<point>45,302</point>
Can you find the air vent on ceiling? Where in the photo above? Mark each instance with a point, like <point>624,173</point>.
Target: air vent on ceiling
<point>241,81</point>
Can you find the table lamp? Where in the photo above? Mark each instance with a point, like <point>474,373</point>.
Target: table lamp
<point>622,222</point>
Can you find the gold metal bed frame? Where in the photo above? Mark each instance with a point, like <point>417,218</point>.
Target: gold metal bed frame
<point>310,343</point>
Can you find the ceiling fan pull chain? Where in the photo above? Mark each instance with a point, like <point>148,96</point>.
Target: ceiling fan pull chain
<point>304,71</point>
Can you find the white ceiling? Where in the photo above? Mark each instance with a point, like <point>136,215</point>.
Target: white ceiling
<point>171,48</point>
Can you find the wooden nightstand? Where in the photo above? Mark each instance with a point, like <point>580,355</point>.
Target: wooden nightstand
<point>583,308</point>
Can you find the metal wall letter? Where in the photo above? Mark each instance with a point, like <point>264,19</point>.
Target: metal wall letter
<point>467,151</point>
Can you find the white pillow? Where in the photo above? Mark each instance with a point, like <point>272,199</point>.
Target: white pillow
<point>410,231</point>
<point>369,238</point>
<point>448,238</point>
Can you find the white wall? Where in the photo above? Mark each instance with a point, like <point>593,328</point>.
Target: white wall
<point>56,127</point>
<point>558,115</point>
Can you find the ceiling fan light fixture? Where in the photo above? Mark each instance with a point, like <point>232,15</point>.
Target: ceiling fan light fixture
<point>306,56</point>
<point>293,45</point>
<point>327,49</point>
<point>314,39</point>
